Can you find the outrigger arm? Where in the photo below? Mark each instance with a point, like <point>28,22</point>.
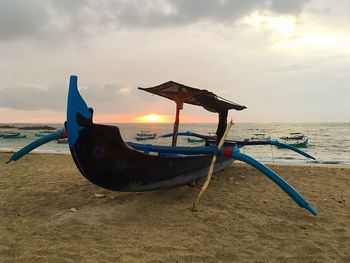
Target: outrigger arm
<point>277,144</point>
<point>234,153</point>
<point>60,133</point>
<point>244,143</point>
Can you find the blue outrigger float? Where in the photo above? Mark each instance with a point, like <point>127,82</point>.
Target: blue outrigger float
<point>104,159</point>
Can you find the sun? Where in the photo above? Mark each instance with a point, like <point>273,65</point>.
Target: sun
<point>151,118</point>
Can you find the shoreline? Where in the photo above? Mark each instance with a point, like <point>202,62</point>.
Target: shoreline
<point>277,163</point>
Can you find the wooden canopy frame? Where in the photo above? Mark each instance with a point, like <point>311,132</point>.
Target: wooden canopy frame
<point>181,94</point>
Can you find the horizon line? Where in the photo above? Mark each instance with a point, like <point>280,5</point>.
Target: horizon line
<point>266,122</point>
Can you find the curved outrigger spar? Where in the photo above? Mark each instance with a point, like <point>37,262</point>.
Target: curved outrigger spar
<point>102,156</point>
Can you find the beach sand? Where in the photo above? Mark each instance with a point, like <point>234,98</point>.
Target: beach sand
<point>50,213</point>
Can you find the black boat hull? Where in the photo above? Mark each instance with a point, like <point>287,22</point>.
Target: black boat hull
<point>104,159</point>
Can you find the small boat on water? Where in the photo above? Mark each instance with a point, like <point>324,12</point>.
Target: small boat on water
<point>145,135</point>
<point>62,140</point>
<point>296,139</point>
<point>201,138</point>
<point>12,135</point>
<point>44,133</point>
<point>195,140</point>
<point>259,137</point>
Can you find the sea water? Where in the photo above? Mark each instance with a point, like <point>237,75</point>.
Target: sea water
<point>329,142</point>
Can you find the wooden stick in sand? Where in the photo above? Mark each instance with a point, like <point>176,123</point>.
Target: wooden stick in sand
<point>211,169</point>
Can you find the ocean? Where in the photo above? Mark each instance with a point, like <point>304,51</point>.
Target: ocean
<point>330,142</point>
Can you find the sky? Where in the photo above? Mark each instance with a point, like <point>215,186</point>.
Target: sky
<point>286,61</point>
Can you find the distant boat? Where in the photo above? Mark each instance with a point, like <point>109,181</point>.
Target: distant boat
<point>12,135</point>
<point>145,135</point>
<point>44,133</point>
<point>296,139</point>
<point>62,140</point>
<point>195,140</point>
<point>35,127</point>
<point>259,137</point>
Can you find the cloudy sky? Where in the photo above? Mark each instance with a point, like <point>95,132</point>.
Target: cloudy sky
<point>287,61</point>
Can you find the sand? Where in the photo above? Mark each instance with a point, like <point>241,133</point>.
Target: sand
<point>50,213</point>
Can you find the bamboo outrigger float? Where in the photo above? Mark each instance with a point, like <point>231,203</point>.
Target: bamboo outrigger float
<point>102,156</point>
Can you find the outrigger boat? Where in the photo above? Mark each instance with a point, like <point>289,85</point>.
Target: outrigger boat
<point>12,135</point>
<point>103,158</point>
<point>195,140</point>
<point>62,140</point>
<point>145,135</point>
<point>259,137</point>
<point>211,135</point>
<point>43,133</point>
<point>296,139</point>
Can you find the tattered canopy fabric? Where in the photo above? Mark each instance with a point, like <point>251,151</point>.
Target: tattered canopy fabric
<point>184,94</point>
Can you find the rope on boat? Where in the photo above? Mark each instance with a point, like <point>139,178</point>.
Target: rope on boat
<point>211,169</point>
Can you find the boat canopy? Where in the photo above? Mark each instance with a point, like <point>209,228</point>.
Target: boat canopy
<point>208,100</point>
<point>184,94</point>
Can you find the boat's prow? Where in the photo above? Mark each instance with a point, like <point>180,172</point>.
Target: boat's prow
<point>76,105</point>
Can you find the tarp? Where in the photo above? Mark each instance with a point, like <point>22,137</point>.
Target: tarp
<point>184,94</point>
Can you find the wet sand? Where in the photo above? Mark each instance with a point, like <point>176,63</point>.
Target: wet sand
<point>50,213</point>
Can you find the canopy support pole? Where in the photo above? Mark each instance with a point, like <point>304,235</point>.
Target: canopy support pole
<point>222,124</point>
<point>179,106</point>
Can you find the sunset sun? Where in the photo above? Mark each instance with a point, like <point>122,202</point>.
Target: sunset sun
<point>153,117</point>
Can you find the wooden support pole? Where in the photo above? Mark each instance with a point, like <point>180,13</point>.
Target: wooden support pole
<point>176,123</point>
<point>211,169</point>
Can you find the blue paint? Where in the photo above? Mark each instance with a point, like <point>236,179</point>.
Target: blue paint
<point>75,104</point>
<point>236,154</point>
<point>275,178</point>
<point>186,133</point>
<point>30,147</point>
<point>184,150</point>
